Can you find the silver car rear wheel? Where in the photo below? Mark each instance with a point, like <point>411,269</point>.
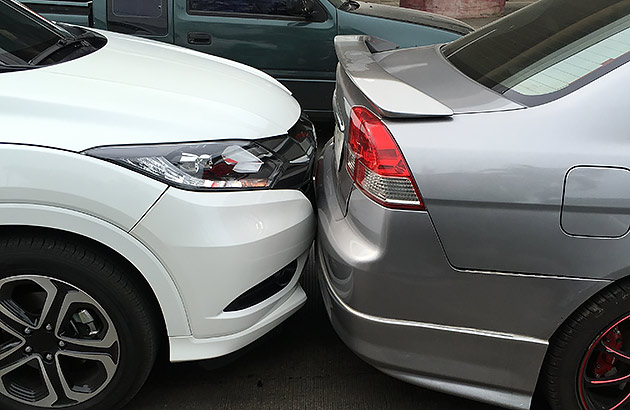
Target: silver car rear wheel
<point>588,362</point>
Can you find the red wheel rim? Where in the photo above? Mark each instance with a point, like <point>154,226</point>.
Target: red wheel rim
<point>604,375</point>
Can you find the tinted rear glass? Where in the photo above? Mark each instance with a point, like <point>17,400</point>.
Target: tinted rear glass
<point>547,49</point>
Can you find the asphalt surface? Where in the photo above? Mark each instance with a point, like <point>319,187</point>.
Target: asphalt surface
<point>300,365</point>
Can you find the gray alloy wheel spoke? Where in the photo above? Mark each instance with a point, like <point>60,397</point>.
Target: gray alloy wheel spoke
<point>53,312</point>
<point>51,395</point>
<point>85,347</point>
<point>13,332</point>
<point>106,341</point>
<point>55,381</point>
<point>9,323</point>
<point>103,350</point>
<point>51,295</point>
<point>104,359</point>
<point>12,359</point>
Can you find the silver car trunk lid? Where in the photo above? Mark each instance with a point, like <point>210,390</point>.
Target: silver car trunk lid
<point>394,85</point>
<point>426,69</point>
<point>389,96</point>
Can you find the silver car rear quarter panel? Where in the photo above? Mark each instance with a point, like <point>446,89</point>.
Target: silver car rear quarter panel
<point>493,183</point>
<point>397,302</point>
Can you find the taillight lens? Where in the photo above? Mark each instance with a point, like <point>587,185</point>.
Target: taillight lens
<point>376,164</point>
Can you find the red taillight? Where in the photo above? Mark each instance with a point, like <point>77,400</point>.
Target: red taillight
<point>376,164</point>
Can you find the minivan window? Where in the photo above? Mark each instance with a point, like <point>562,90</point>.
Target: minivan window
<point>547,50</point>
<point>144,8</point>
<point>22,37</point>
<point>282,8</point>
<point>138,17</point>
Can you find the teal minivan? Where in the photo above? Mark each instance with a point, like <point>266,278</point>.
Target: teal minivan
<point>292,40</point>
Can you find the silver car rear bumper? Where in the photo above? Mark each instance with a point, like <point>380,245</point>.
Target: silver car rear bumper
<point>395,300</point>
<point>438,357</point>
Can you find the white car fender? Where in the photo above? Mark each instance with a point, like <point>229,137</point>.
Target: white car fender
<point>72,192</point>
<point>37,175</point>
<point>118,240</point>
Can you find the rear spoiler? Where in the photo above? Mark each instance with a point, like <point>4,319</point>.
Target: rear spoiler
<point>392,97</point>
<point>79,12</point>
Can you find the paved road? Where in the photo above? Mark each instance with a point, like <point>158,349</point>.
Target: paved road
<point>300,365</point>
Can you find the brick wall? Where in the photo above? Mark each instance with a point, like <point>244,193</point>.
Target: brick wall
<point>389,2</point>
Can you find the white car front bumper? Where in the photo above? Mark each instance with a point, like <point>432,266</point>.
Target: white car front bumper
<point>217,246</point>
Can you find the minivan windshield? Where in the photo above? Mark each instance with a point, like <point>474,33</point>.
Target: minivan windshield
<point>547,49</point>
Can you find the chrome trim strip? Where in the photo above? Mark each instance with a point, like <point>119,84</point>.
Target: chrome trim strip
<point>432,326</point>
<point>530,275</point>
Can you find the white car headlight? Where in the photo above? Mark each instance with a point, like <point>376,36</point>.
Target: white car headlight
<point>221,165</point>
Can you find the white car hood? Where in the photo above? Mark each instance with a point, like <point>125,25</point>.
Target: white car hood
<point>135,91</point>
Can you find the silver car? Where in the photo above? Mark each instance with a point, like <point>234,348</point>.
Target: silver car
<point>474,208</point>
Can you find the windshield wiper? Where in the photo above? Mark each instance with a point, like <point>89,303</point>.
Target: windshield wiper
<point>349,5</point>
<point>8,67</point>
<point>64,43</point>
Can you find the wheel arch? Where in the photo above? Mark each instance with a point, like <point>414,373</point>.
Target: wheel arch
<point>583,299</point>
<point>592,307</point>
<point>107,238</point>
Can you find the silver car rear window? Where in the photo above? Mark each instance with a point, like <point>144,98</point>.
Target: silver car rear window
<point>547,50</point>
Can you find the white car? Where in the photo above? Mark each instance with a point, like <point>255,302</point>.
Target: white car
<point>148,193</point>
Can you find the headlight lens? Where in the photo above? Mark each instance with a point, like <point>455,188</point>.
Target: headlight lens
<point>221,165</point>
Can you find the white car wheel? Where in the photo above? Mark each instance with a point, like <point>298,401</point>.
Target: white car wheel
<point>74,328</point>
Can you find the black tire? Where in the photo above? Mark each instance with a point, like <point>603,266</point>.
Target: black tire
<point>98,303</point>
<point>574,360</point>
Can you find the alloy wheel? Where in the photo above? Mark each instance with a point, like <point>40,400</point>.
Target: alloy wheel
<point>58,346</point>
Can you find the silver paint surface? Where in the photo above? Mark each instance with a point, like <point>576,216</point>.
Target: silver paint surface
<point>493,182</point>
<point>496,252</point>
<point>426,69</point>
